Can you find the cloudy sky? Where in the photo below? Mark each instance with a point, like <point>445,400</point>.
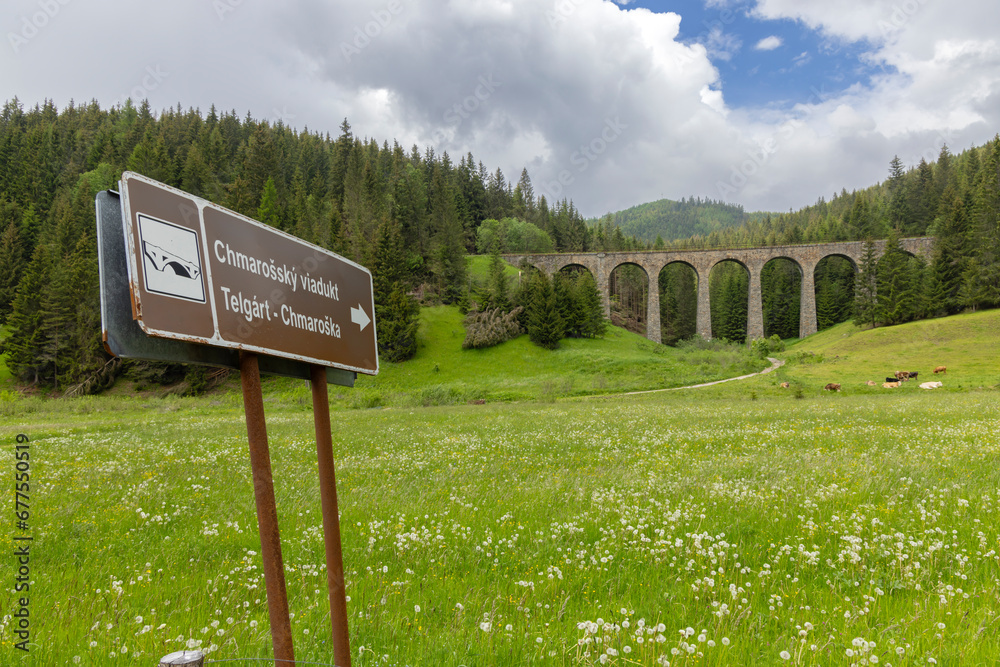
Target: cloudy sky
<point>766,103</point>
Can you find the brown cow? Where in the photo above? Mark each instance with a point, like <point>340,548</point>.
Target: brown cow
<point>902,375</point>
<point>784,385</point>
<point>941,369</point>
<point>871,383</point>
<point>890,385</point>
<point>833,386</point>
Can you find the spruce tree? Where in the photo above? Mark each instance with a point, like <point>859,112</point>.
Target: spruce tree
<point>899,213</point>
<point>269,212</point>
<point>949,258</point>
<point>396,312</point>
<point>447,262</point>
<point>668,307</point>
<point>590,305</point>
<point>24,345</point>
<point>545,327</point>
<point>866,309</point>
<point>987,224</point>
<point>11,267</point>
<point>895,283</point>
<point>566,305</point>
<point>29,231</point>
<point>498,287</point>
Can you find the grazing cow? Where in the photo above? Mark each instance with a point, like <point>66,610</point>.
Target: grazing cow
<point>940,369</point>
<point>902,375</point>
<point>871,383</point>
<point>833,386</point>
<point>784,385</point>
<point>891,380</point>
<point>931,385</point>
<point>890,385</point>
<point>913,375</point>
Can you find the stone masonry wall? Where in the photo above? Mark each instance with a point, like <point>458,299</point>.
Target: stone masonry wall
<point>601,265</point>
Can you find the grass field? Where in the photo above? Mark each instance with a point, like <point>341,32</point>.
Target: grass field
<point>731,525</point>
<point>966,344</point>
<point>443,373</point>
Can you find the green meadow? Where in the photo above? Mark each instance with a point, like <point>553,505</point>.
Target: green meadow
<point>562,522</point>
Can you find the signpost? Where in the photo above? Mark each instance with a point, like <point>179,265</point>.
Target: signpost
<point>201,273</point>
<point>207,285</point>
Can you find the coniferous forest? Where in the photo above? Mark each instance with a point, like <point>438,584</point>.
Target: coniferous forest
<point>412,216</point>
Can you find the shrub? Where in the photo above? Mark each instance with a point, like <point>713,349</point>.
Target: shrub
<point>490,327</point>
<point>762,347</point>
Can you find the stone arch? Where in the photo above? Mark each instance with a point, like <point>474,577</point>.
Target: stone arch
<point>678,301</point>
<point>781,280</point>
<point>730,292</point>
<point>833,279</point>
<point>574,268</point>
<point>628,291</point>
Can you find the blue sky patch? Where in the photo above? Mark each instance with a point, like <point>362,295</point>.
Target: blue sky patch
<point>768,63</point>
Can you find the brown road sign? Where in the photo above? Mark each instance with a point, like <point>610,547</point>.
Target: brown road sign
<point>201,273</point>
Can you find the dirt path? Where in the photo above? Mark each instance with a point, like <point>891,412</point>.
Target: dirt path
<point>775,363</point>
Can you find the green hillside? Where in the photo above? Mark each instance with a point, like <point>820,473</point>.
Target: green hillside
<point>967,344</point>
<point>443,373</point>
<point>674,220</point>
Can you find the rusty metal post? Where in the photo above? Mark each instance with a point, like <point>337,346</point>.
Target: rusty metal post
<point>331,518</point>
<point>267,513</point>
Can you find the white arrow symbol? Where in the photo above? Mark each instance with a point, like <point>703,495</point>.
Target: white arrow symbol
<point>360,317</point>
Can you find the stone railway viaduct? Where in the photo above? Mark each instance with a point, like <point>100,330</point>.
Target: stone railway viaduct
<point>806,257</point>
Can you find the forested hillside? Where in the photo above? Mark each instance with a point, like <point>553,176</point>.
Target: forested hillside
<point>409,215</point>
<point>955,199</point>
<point>924,200</point>
<point>412,216</point>
<point>665,220</point>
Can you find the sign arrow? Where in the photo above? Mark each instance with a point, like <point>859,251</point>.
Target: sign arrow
<point>359,317</point>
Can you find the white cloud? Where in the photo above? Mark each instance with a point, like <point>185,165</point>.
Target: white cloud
<point>602,95</point>
<point>722,45</point>
<point>768,43</point>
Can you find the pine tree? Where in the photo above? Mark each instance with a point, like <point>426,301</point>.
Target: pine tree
<point>834,280</point>
<point>11,267</point>
<point>29,230</point>
<point>972,291</point>
<point>195,175</point>
<point>566,305</point>
<point>396,312</point>
<point>25,342</point>
<point>269,211</point>
<point>729,289</point>
<point>590,305</point>
<point>780,291</point>
<point>986,225</point>
<point>895,283</point>
<point>948,262</point>
<point>899,213</point>
<point>866,310</point>
<point>447,262</point>
<point>545,328</point>
<point>498,287</point>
